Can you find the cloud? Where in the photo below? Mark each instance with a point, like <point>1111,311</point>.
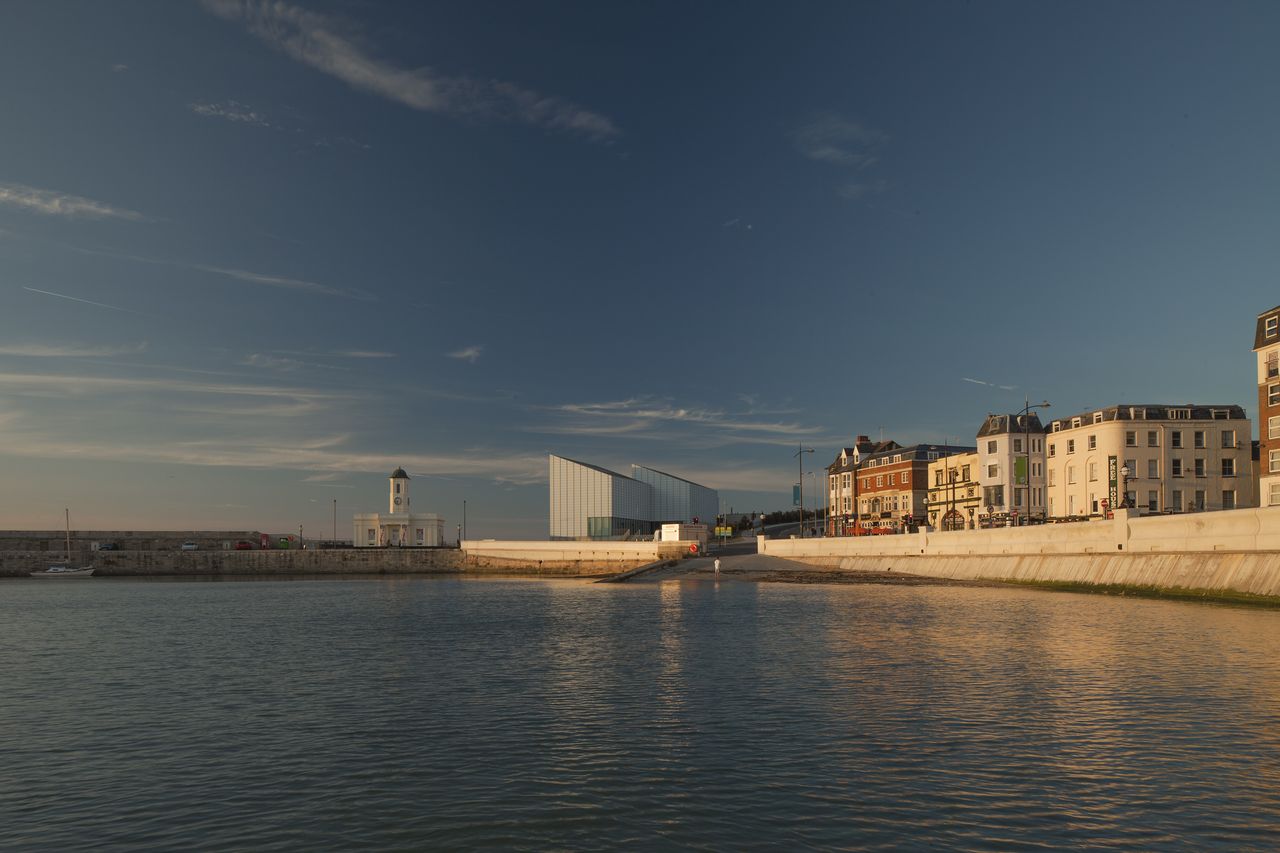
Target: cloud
<point>471,354</point>
<point>273,362</point>
<point>65,351</point>
<point>54,203</point>
<point>847,145</point>
<point>232,111</point>
<point>988,384</point>
<point>315,40</point>
<point>84,301</point>
<point>364,354</point>
<point>119,66</point>
<point>832,139</point>
<point>277,281</point>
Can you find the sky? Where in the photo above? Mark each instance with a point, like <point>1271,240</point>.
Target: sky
<point>254,256</point>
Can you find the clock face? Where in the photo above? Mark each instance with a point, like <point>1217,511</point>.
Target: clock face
<point>397,502</point>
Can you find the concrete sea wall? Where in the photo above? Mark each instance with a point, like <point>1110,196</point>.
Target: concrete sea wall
<point>561,559</point>
<point>1236,550</point>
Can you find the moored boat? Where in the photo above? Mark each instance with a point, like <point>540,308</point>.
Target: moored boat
<point>64,570</point>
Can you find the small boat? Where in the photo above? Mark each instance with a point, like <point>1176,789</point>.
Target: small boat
<point>64,570</point>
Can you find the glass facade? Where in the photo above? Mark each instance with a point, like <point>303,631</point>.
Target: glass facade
<point>590,502</point>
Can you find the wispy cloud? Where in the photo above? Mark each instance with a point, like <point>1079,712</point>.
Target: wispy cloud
<point>470,354</point>
<point>232,111</point>
<point>119,67</point>
<point>357,353</point>
<point>55,203</point>
<point>83,301</point>
<point>65,351</point>
<point>848,145</point>
<point>318,41</point>
<point>988,384</point>
<point>274,362</point>
<point>265,279</point>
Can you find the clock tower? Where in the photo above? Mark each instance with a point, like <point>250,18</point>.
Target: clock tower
<point>399,492</point>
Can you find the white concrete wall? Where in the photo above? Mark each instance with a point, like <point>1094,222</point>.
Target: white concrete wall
<point>599,551</point>
<point>1235,549</point>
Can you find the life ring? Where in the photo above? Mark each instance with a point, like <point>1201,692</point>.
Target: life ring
<point>693,549</point>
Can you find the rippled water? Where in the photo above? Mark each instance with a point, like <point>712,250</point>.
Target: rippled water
<point>412,714</point>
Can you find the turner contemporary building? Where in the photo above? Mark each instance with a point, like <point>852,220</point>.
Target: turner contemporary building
<point>590,502</point>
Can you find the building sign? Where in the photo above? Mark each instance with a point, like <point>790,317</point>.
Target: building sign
<point>795,496</point>
<point>1020,470</point>
<point>1112,479</point>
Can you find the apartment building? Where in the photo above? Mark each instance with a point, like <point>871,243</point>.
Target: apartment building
<point>1266,346</point>
<point>842,484</point>
<point>893,482</point>
<point>954,499</point>
<point>1012,471</point>
<point>1179,458</point>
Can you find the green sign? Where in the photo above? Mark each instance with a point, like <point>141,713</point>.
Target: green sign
<point>1020,470</point>
<point>795,496</point>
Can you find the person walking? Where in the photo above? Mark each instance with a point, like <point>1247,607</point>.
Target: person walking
<point>717,565</point>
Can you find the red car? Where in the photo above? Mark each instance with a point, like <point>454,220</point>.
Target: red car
<point>244,546</point>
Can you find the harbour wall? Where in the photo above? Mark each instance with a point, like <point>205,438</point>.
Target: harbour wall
<point>1236,550</point>
<point>555,559</point>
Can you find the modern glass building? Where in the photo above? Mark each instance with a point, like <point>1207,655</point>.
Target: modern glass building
<point>590,502</point>
<point>676,499</point>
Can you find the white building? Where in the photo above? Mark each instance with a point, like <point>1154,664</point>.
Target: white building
<point>1181,458</point>
<point>1011,468</point>
<point>399,526</point>
<point>590,502</point>
<point>1266,346</point>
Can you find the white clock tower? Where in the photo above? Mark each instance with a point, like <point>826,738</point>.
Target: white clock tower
<point>399,492</point>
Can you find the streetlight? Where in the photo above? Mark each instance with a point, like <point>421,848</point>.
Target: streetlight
<point>799,454</point>
<point>1124,485</point>
<point>1026,443</point>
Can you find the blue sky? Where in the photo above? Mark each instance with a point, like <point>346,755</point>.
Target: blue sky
<point>254,256</point>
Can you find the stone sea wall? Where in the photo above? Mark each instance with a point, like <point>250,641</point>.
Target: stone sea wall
<point>556,559</point>
<point>1235,550</point>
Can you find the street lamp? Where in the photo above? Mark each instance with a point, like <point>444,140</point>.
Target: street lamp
<point>1026,443</point>
<point>1124,486</point>
<point>799,454</point>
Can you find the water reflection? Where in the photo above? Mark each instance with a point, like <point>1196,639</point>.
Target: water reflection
<point>448,713</point>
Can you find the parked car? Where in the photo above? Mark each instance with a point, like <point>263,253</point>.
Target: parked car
<point>242,545</point>
<point>190,546</point>
<point>108,546</point>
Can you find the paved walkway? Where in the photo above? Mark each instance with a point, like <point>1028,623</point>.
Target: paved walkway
<point>732,567</point>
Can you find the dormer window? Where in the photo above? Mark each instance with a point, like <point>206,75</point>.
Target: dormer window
<point>1097,417</point>
<point>1273,326</point>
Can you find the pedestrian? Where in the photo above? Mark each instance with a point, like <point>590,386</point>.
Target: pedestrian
<point>717,565</point>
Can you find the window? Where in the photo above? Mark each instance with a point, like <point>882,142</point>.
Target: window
<point>1175,467</point>
<point>1273,364</point>
<point>1133,467</point>
<point>1075,422</point>
<point>1274,500</point>
<point>1071,474</point>
<point>1097,417</point>
<point>397,488</point>
<point>371,534</point>
<point>1153,438</point>
<point>1272,326</point>
<point>1071,445</point>
<point>1093,442</point>
<point>1053,448</point>
<point>1200,499</point>
<point>1228,438</point>
<point>1153,500</point>
<point>991,447</point>
<point>994,496</point>
<point>1017,445</point>
<point>1228,467</point>
<point>1057,425</point>
<point>1179,414</point>
<point>964,472</point>
<point>1175,503</point>
<point>1130,439</point>
<point>1273,427</point>
<point>1198,439</point>
<point>846,481</point>
<point>1273,461</point>
<point>1093,471</point>
<point>1153,469</point>
<point>879,481</point>
<point>993,471</point>
<point>906,477</point>
<point>421,535</point>
<point>1228,499</point>
<point>1199,467</point>
<point>1273,395</point>
<point>937,478</point>
<point>1175,438</point>
<point>1052,478</point>
<point>892,477</point>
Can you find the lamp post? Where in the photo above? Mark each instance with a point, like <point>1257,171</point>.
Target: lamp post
<point>1026,443</point>
<point>799,454</point>
<point>1124,486</point>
